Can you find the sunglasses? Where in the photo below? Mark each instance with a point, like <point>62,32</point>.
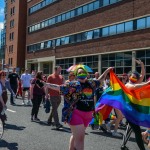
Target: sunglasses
<point>3,75</point>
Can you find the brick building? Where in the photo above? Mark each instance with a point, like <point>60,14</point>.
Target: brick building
<point>99,33</point>
<point>15,25</point>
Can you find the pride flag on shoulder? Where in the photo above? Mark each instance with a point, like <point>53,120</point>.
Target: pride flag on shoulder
<point>134,104</point>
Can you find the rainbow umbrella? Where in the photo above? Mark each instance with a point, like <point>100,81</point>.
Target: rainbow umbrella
<point>73,68</point>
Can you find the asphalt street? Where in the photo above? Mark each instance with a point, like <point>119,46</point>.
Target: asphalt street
<point>22,134</point>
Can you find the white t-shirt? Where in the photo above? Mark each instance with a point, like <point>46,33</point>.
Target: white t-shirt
<point>26,78</point>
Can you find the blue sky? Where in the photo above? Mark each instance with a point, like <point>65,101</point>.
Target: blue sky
<point>1,13</point>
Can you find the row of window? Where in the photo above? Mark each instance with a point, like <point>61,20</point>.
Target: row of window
<point>40,5</point>
<point>124,27</point>
<point>71,14</point>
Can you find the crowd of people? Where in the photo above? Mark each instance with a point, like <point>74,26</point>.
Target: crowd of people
<point>80,93</point>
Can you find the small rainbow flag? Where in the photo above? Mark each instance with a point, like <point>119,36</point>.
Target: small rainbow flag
<point>134,104</point>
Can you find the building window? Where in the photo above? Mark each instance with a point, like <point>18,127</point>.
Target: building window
<point>12,1</point>
<point>12,11</point>
<point>96,33</point>
<point>11,36</point>
<point>141,23</point>
<point>10,61</point>
<point>11,47</point>
<point>12,23</point>
<point>72,13</point>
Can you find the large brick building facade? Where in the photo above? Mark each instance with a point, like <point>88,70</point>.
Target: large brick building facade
<point>99,33</point>
<point>15,25</point>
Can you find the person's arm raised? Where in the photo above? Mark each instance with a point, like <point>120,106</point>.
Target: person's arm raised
<point>142,70</point>
<point>103,76</point>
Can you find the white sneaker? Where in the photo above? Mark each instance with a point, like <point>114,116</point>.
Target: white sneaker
<point>23,103</point>
<point>108,127</point>
<point>116,134</point>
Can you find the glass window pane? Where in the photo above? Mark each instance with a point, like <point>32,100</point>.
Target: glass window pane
<point>112,30</point>
<point>147,53</point>
<point>128,62</point>
<point>111,56</point>
<point>91,7</point>
<point>105,31</point>
<point>148,62</point>
<point>119,55</point>
<point>85,9</point>
<point>148,22</point>
<point>53,21</point>
<point>72,39</point>
<point>46,23</point>
<point>42,24</point>
<point>113,1</point>
<point>63,41</point>
<point>63,17</point>
<point>104,57</point>
<point>49,44</point>
<point>140,54</point>
<point>58,42</point>
<point>68,15</point>
<point>59,18</point>
<point>42,45</point>
<point>79,11</point>
<point>84,36</point>
<point>129,26</point>
<point>72,13</point>
<point>128,55</point>
<point>141,23</point>
<point>105,2</point>
<point>96,33</point>
<point>96,5</point>
<point>89,35</point>
<point>120,28</point>
<point>78,37</point>
<point>50,22</point>
<point>67,40</point>
<point>105,64</point>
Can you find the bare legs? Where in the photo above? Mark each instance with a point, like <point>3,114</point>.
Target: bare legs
<point>77,138</point>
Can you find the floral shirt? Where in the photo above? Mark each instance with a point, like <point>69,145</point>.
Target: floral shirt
<point>78,95</point>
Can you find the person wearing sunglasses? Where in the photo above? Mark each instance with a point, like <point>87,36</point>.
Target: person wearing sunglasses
<point>78,104</point>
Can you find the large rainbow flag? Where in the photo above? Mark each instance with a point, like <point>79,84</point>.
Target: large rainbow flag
<point>134,104</point>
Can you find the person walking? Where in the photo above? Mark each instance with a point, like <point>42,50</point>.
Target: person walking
<point>55,98</point>
<point>37,91</point>
<point>78,104</point>
<point>13,79</point>
<point>135,82</point>
<point>26,80</point>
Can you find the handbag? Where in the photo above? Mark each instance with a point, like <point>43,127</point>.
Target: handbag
<point>47,105</point>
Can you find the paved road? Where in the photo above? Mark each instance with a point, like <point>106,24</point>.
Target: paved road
<point>22,134</point>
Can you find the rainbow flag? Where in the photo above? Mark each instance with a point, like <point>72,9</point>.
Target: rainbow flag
<point>134,104</point>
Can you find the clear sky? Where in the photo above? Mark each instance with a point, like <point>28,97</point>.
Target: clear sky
<point>1,13</point>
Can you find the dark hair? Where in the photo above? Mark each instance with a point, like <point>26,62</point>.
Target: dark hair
<point>39,75</point>
<point>56,68</point>
<point>135,73</point>
<point>2,72</point>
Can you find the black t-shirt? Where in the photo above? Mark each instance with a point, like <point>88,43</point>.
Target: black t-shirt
<point>86,103</point>
<point>13,78</point>
<point>98,93</point>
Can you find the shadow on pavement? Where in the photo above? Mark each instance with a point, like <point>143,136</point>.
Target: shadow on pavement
<point>9,146</point>
<point>14,127</point>
<point>63,129</point>
<point>110,135</point>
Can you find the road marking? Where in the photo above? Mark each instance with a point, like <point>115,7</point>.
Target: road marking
<point>11,110</point>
